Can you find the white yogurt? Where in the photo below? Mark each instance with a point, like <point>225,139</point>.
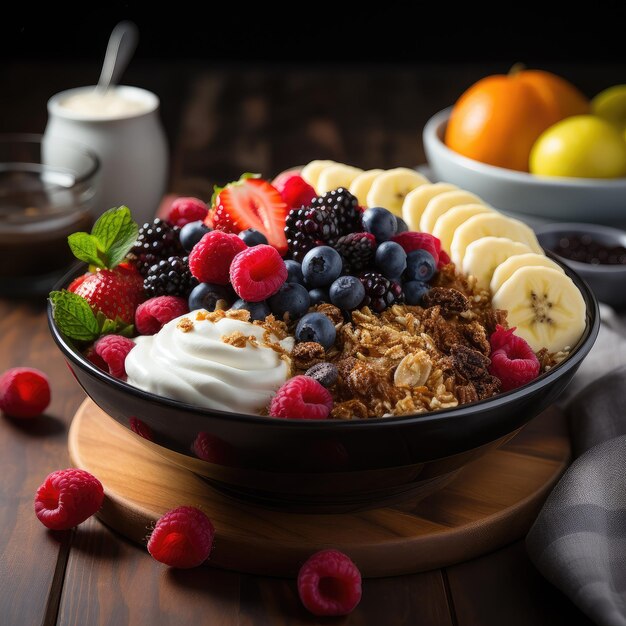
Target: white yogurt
<point>103,105</point>
<point>198,367</point>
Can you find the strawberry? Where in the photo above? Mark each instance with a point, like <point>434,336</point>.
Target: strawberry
<point>75,284</point>
<point>251,203</point>
<point>116,293</point>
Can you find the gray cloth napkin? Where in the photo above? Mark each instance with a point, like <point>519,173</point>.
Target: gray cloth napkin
<point>578,541</point>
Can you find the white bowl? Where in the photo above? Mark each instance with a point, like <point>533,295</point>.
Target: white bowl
<point>592,200</point>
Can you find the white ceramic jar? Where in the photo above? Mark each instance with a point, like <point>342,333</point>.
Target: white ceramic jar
<point>125,131</point>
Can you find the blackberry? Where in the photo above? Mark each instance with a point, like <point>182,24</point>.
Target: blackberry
<point>170,277</point>
<point>380,292</point>
<point>341,202</point>
<point>357,251</point>
<point>308,227</point>
<point>156,240</point>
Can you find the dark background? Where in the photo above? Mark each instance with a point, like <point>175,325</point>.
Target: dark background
<point>325,32</point>
<point>265,89</point>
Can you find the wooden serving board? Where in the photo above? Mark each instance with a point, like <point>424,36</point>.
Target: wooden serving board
<point>492,502</point>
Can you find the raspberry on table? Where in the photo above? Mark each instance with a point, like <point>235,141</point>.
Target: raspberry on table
<point>185,210</point>
<point>109,353</point>
<point>210,259</point>
<point>182,538</point>
<point>67,498</point>
<point>302,397</point>
<point>329,583</point>
<point>512,359</point>
<point>257,273</point>
<point>24,392</point>
<point>154,313</point>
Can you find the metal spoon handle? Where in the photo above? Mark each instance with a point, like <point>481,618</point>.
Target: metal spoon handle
<point>122,44</point>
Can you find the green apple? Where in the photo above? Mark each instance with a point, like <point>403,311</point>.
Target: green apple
<point>582,146</point>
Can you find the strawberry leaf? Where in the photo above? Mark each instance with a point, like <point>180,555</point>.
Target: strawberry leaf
<point>73,316</point>
<point>85,248</point>
<point>117,326</point>
<point>115,232</point>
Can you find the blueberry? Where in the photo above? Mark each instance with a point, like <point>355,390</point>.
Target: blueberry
<point>414,290</point>
<point>380,223</point>
<point>294,272</point>
<point>207,295</point>
<point>324,373</point>
<point>390,259</point>
<point>420,265</point>
<point>190,234</point>
<point>401,226</point>
<point>347,292</point>
<point>321,266</point>
<point>258,310</point>
<point>253,237</point>
<point>316,327</point>
<point>291,298</point>
<point>319,295</point>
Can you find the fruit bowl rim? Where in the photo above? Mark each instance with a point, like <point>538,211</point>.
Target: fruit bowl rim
<point>576,355</point>
<point>433,133</point>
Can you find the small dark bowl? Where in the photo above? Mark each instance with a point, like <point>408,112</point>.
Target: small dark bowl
<point>326,465</point>
<point>608,282</point>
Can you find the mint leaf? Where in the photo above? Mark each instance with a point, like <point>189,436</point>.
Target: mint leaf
<point>115,232</point>
<point>73,316</point>
<point>85,248</point>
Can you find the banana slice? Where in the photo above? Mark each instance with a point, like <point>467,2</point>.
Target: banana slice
<point>312,171</point>
<point>446,224</point>
<point>336,175</point>
<point>442,203</point>
<point>361,185</point>
<point>505,270</point>
<point>544,305</point>
<point>391,187</point>
<point>490,225</point>
<point>484,255</point>
<point>416,201</point>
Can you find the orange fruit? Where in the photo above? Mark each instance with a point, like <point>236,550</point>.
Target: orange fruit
<point>498,119</point>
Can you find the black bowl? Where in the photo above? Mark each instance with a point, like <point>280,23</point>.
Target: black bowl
<point>326,465</point>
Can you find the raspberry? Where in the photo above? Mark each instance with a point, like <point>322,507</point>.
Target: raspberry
<point>186,210</point>
<point>213,449</point>
<point>444,259</point>
<point>182,538</point>
<point>512,359</point>
<point>257,273</point>
<point>329,583</point>
<point>140,428</point>
<point>109,353</point>
<point>293,189</point>
<point>419,241</point>
<point>24,392</point>
<point>153,314</point>
<point>357,251</point>
<point>67,498</point>
<point>302,397</point>
<point>210,259</point>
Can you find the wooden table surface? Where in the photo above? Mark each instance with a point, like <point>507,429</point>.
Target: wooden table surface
<point>221,122</point>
